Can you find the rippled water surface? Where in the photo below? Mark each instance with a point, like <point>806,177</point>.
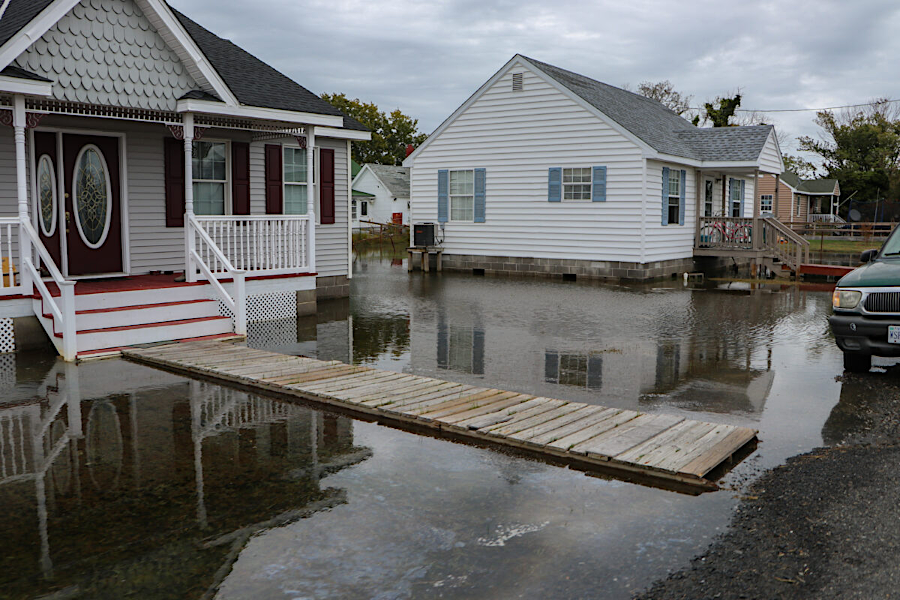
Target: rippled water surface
<point>117,480</point>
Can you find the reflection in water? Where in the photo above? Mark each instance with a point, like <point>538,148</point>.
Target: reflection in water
<point>580,370</point>
<point>182,474</point>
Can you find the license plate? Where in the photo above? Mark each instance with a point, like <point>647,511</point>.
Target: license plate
<point>893,334</point>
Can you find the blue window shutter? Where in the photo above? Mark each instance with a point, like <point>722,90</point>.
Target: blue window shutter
<point>480,176</point>
<point>665,196</point>
<point>681,202</point>
<point>742,196</point>
<point>554,185</point>
<point>598,193</point>
<point>443,195</point>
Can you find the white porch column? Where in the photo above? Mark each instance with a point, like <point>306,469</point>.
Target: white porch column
<point>21,187</point>
<point>190,272</point>
<point>311,196</point>
<point>757,227</point>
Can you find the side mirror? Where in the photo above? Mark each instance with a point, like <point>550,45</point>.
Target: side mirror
<point>868,256</point>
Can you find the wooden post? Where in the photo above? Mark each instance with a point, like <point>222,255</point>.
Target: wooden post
<point>409,261</point>
<point>21,191</point>
<point>311,196</point>
<point>757,237</point>
<point>775,206</point>
<point>700,204</point>
<point>190,272</point>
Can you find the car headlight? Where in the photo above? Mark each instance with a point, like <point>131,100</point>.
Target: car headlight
<point>845,298</point>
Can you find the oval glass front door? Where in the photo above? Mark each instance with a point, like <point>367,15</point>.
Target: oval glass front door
<point>46,178</point>
<point>93,204</point>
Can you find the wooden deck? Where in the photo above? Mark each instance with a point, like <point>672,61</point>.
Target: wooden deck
<point>658,449</point>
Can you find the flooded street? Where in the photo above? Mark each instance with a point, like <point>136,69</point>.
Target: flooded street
<point>117,480</point>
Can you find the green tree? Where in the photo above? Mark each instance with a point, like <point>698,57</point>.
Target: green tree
<point>391,133</point>
<point>861,149</point>
<point>799,165</point>
<point>721,112</point>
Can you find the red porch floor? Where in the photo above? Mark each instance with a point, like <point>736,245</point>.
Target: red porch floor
<point>147,282</point>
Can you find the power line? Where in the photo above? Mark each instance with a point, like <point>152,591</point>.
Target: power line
<point>780,110</point>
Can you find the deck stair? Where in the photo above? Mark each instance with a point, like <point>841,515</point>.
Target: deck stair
<point>765,240</point>
<point>114,314</point>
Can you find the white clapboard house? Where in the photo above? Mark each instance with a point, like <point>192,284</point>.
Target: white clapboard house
<point>546,171</point>
<point>138,148</point>
<point>380,195</point>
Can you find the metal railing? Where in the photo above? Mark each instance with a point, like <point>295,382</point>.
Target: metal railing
<point>204,254</point>
<point>260,244</point>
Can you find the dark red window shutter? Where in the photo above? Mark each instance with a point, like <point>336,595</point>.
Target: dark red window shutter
<point>173,152</point>
<point>274,192</point>
<point>240,178</point>
<point>326,186</point>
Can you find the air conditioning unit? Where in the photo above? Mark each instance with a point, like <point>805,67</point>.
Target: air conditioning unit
<point>424,234</point>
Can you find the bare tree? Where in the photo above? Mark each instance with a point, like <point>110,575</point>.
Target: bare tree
<point>665,93</point>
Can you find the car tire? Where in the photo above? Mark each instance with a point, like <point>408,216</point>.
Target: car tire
<point>856,362</point>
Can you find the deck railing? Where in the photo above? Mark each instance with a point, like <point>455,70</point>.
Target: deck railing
<point>733,233</point>
<point>10,281</point>
<point>788,246</point>
<point>261,244</point>
<point>204,254</point>
<point>770,237</point>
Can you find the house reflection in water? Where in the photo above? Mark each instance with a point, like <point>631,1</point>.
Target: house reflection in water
<point>582,369</point>
<point>460,348</point>
<point>117,480</point>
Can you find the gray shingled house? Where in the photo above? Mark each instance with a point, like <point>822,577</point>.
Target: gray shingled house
<point>545,171</point>
<point>138,150</point>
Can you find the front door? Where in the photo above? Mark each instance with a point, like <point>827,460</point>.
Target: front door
<point>93,217</point>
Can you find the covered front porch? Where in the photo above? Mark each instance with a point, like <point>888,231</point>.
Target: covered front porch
<point>134,226</point>
<point>736,222</point>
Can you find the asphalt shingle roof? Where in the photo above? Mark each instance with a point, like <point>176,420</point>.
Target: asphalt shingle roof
<point>396,179</point>
<point>659,127</point>
<point>810,186</point>
<point>253,82</point>
<point>14,71</point>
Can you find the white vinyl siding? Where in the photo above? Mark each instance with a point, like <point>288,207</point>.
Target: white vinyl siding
<point>517,137</point>
<point>769,159</point>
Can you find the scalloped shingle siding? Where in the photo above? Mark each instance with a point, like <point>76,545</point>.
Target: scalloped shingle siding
<point>106,52</point>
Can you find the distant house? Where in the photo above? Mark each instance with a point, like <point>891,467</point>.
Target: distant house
<point>543,170</point>
<point>799,199</point>
<point>380,195</point>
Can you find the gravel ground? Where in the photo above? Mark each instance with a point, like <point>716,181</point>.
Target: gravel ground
<point>824,525</point>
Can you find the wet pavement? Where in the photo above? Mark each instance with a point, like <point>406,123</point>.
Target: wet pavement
<point>118,480</point>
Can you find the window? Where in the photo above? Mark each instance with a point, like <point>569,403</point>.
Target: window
<point>462,195</point>
<point>353,210</point>
<point>295,188</point>
<point>708,198</point>
<point>364,209</point>
<point>736,198</point>
<point>210,175</point>
<point>577,184</point>
<point>674,196</point>
<point>765,203</point>
<point>798,198</point>
<point>578,369</point>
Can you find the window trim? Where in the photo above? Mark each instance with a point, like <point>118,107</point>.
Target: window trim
<point>563,184</point>
<point>677,196</point>
<point>734,205</point>
<point>766,197</point>
<point>228,210</point>
<point>307,183</point>
<point>450,196</point>
<point>709,186</point>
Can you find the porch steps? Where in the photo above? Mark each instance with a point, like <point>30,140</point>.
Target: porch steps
<point>110,319</point>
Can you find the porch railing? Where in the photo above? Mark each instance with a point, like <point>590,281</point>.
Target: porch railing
<point>261,244</point>
<point>733,233</point>
<point>10,280</point>
<point>204,254</point>
<point>825,218</point>
<point>788,246</point>
<point>772,237</point>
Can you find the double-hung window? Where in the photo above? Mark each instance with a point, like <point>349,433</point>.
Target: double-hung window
<point>462,195</point>
<point>674,196</point>
<point>295,181</point>
<point>708,198</point>
<point>210,176</point>
<point>736,198</point>
<point>765,203</point>
<point>798,199</point>
<point>576,183</point>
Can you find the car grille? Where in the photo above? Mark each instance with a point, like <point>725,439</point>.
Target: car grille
<point>883,302</point>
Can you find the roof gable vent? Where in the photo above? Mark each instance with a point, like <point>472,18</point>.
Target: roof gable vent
<point>517,82</point>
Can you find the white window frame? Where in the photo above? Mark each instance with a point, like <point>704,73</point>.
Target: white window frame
<point>734,199</point>
<point>572,184</point>
<point>763,198</point>
<point>363,208</point>
<point>709,204</point>
<point>676,173</point>
<point>228,210</point>
<point>284,183</point>
<point>451,196</point>
<point>799,207</point>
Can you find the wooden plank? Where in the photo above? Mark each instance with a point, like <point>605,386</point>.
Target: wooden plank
<point>431,406</point>
<point>424,386</point>
<point>414,405</point>
<point>625,436</point>
<point>482,409</point>
<point>381,384</point>
<point>578,414</point>
<point>289,378</point>
<point>346,381</point>
<point>534,416</point>
<point>298,377</point>
<point>673,440</point>
<point>690,445</point>
<point>601,426</point>
<point>464,403</point>
<point>501,416</point>
<point>714,455</point>
<point>555,432</point>
<point>417,396</point>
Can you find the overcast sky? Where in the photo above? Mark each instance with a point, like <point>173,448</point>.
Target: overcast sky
<point>426,58</point>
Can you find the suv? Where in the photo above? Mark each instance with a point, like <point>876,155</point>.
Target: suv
<point>866,303</point>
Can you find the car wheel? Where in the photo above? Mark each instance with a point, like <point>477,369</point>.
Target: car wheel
<point>856,362</point>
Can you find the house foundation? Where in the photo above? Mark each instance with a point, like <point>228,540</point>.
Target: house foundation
<point>587,269</point>
<point>335,286</point>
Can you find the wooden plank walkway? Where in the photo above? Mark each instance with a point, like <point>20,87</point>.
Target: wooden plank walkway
<point>660,449</point>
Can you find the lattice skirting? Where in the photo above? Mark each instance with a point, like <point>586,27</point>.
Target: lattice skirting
<point>272,334</point>
<point>7,371</point>
<point>8,336</point>
<point>270,306</point>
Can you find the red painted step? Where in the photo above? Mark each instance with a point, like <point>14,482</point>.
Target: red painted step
<point>832,270</point>
<point>146,325</point>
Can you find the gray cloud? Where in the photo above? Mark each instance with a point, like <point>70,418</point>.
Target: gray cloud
<point>426,58</point>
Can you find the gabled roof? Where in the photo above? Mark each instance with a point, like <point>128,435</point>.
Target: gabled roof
<point>810,186</point>
<point>19,73</point>
<point>659,127</point>
<point>250,80</point>
<point>395,179</point>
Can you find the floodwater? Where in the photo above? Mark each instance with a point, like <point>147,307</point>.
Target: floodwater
<point>117,480</point>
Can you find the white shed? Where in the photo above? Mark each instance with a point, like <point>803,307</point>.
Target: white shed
<point>380,195</point>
